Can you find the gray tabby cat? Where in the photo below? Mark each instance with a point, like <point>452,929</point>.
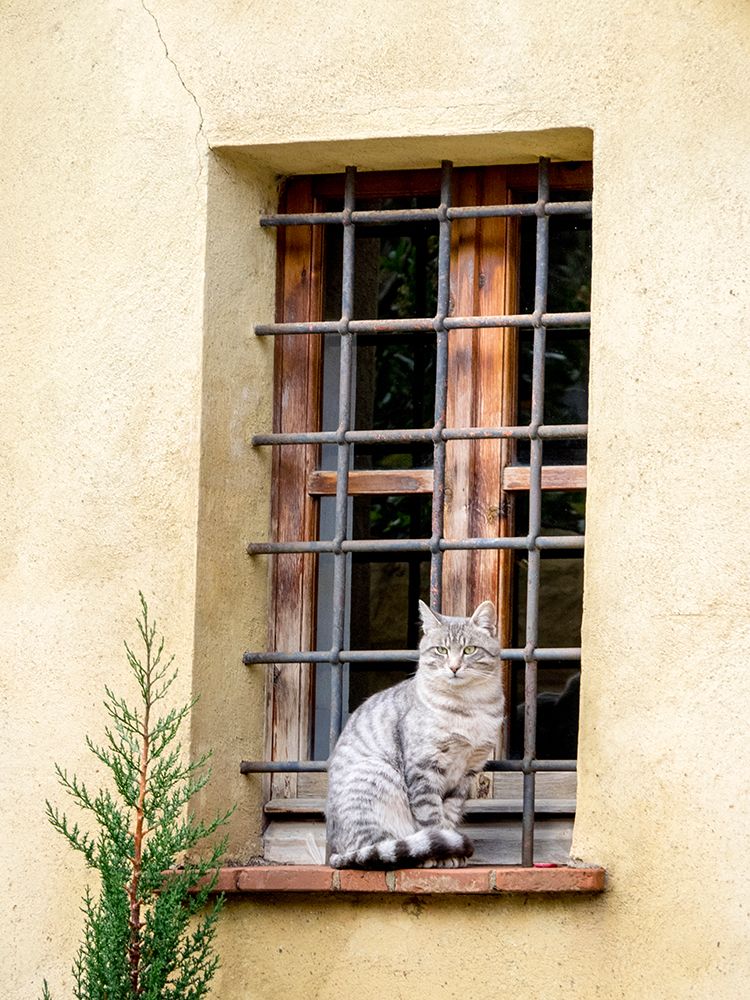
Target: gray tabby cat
<point>401,770</point>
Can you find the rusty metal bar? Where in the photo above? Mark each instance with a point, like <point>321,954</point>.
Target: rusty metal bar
<point>441,388</point>
<point>550,431</point>
<point>509,211</point>
<point>535,516</point>
<point>547,654</point>
<point>390,215</point>
<point>552,321</point>
<point>427,324</point>
<point>317,766</point>
<point>342,461</point>
<point>417,544</point>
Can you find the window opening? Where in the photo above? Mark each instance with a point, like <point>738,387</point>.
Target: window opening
<point>378,418</point>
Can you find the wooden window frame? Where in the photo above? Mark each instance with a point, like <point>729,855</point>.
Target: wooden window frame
<point>480,475</point>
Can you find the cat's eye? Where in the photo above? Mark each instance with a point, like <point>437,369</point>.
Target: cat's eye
<point>443,650</point>
<point>469,650</point>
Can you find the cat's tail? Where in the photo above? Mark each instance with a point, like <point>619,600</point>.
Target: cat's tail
<point>429,844</point>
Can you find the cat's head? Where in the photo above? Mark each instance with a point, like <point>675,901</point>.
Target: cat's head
<point>458,651</point>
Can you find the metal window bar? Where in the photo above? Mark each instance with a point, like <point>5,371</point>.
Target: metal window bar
<point>344,436</point>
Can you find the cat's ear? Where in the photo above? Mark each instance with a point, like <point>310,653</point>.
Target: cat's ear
<point>485,617</point>
<point>429,619</point>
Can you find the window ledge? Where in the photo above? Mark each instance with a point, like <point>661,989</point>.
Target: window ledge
<point>473,880</point>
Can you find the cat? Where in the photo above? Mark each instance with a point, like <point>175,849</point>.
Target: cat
<point>402,767</point>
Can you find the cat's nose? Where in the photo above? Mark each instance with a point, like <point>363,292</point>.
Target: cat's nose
<point>454,667</point>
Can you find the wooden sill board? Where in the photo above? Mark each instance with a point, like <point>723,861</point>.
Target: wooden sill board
<point>476,880</point>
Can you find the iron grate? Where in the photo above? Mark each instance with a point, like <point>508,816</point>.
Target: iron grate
<point>345,436</point>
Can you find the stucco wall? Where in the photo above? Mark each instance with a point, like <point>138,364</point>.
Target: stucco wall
<point>140,144</point>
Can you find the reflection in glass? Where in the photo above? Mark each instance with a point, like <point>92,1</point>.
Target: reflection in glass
<point>560,612</point>
<point>556,712</point>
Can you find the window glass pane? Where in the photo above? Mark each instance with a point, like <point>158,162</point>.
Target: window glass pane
<point>560,611</point>
<point>567,353</point>
<point>566,377</point>
<point>406,516</point>
<point>384,615</point>
<point>557,712</point>
<point>395,278</point>
<point>395,389</point>
<point>569,283</point>
<point>395,265</point>
<point>560,597</point>
<point>401,279</point>
<point>563,512</point>
<point>384,591</point>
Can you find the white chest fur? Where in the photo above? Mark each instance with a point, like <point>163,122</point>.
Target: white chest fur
<point>458,730</point>
<point>465,743</point>
<point>457,756</point>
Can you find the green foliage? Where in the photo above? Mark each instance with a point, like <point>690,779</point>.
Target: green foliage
<point>145,936</point>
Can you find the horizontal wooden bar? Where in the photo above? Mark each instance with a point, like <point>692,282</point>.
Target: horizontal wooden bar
<point>472,880</point>
<point>375,481</point>
<point>400,481</point>
<point>554,477</point>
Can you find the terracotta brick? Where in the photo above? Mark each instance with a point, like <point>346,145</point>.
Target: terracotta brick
<point>285,878</point>
<point>438,880</point>
<point>227,880</point>
<point>562,879</point>
<point>414,881</point>
<point>363,881</point>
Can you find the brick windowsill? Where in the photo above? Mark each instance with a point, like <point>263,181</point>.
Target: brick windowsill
<point>478,880</point>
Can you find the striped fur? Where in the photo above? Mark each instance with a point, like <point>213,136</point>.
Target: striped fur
<point>401,770</point>
<point>429,844</point>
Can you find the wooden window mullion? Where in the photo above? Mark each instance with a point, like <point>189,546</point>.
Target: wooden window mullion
<point>481,393</point>
<point>297,395</point>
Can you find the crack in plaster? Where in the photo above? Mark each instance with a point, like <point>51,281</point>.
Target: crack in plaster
<point>199,134</point>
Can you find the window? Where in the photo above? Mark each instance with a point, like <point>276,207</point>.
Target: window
<point>429,441</point>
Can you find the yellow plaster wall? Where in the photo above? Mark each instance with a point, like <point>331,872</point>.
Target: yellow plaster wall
<point>131,384</point>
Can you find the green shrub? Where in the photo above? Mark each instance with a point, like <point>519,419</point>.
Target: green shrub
<point>148,934</point>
